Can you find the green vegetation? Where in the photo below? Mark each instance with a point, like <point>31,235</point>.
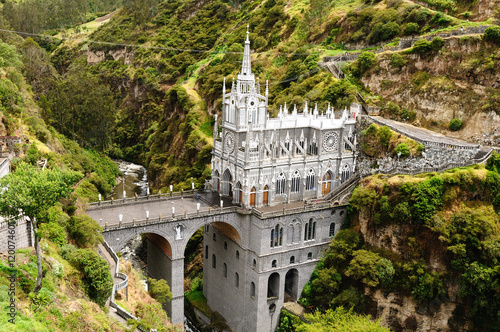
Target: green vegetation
<point>159,290</point>
<point>376,140</point>
<point>97,278</point>
<point>492,34</point>
<point>455,124</point>
<point>423,47</point>
<point>34,192</point>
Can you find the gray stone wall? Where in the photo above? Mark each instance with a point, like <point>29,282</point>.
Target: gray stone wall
<point>23,235</point>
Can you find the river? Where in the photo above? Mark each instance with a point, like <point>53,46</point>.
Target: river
<point>135,181</point>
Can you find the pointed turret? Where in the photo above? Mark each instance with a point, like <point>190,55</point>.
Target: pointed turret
<point>246,67</point>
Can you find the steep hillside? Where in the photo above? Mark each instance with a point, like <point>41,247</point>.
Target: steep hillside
<point>459,80</point>
<point>420,252</point>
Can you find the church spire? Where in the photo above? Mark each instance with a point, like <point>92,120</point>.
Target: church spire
<point>246,67</point>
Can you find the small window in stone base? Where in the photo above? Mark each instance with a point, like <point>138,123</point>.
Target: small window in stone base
<point>252,289</point>
<point>310,255</point>
<point>206,252</point>
<point>224,270</point>
<point>237,254</point>
<point>214,237</point>
<point>274,263</point>
<point>292,260</point>
<point>214,261</point>
<point>254,263</point>
<point>237,276</point>
<point>225,245</point>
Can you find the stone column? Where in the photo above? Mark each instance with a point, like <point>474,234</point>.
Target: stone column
<point>176,312</point>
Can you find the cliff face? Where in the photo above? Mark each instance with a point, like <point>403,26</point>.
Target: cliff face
<point>396,309</point>
<point>458,81</point>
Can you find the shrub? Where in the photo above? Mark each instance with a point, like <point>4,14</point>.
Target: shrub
<point>85,231</point>
<point>403,149</point>
<point>421,46</point>
<point>96,274</point>
<point>437,43</point>
<point>492,34</point>
<point>397,60</point>
<point>159,290</point>
<point>411,28</point>
<point>384,134</point>
<point>455,124</point>
<point>366,61</point>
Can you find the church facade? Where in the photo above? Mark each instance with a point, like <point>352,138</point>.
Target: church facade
<point>251,272</point>
<point>261,161</point>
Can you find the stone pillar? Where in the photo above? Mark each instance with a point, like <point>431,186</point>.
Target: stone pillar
<point>176,312</point>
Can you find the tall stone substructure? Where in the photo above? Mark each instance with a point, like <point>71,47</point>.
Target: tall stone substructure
<point>266,163</point>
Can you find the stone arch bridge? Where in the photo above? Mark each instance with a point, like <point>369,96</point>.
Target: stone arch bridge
<point>267,273</point>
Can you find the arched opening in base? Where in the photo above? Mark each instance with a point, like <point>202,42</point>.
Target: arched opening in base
<point>291,285</point>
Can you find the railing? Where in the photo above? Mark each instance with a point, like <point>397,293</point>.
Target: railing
<point>420,140</point>
<point>154,221</point>
<point>116,287</point>
<point>144,199</point>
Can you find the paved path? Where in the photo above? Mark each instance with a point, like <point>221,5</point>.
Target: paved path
<point>155,208</point>
<point>424,134</point>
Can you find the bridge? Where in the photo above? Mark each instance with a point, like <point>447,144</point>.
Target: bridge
<point>243,231</point>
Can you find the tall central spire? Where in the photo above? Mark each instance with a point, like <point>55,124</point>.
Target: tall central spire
<point>246,68</point>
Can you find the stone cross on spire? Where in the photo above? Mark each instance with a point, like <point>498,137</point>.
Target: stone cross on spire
<point>246,68</point>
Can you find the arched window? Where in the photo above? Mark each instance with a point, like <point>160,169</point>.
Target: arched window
<point>214,261</point>
<point>252,289</point>
<point>273,284</point>
<point>225,245</point>
<point>310,230</point>
<point>237,280</point>
<point>295,182</point>
<point>310,256</point>
<point>346,173</point>
<point>290,234</point>
<point>239,193</point>
<point>310,180</point>
<point>332,229</point>
<point>214,237</point>
<point>237,254</point>
<point>292,260</point>
<point>207,228</point>
<point>280,184</point>
<point>252,196</point>
<point>276,236</point>
<point>254,264</point>
<point>224,270</point>
<point>206,252</point>
<point>265,195</point>
<point>274,263</point>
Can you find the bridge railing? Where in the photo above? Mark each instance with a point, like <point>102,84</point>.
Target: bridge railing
<point>142,199</point>
<point>175,217</point>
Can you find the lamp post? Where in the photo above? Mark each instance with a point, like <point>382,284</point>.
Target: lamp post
<point>173,210</point>
<point>171,188</point>
<point>120,217</point>
<point>147,214</point>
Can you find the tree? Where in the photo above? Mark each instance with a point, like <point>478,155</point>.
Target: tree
<point>159,290</point>
<point>403,149</point>
<point>492,34</point>
<point>384,134</point>
<point>30,191</point>
<point>370,268</point>
<point>85,231</point>
<point>366,61</point>
<point>455,124</point>
<point>96,274</point>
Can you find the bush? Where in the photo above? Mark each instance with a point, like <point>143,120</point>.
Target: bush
<point>97,278</point>
<point>365,62</point>
<point>437,43</point>
<point>403,149</point>
<point>397,60</point>
<point>411,28</point>
<point>85,231</point>
<point>421,46</point>
<point>384,134</point>
<point>455,124</point>
<point>159,290</point>
<point>492,34</point>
